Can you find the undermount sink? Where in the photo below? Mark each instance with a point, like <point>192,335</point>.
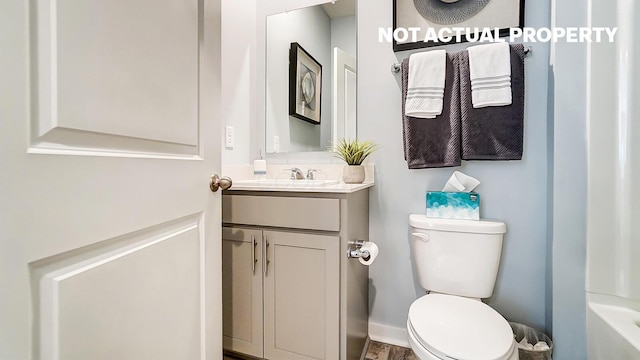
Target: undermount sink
<point>285,183</point>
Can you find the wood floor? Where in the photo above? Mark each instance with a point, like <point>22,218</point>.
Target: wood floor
<point>377,351</point>
<point>381,351</point>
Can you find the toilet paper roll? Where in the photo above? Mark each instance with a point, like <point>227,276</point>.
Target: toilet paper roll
<point>461,182</point>
<point>373,253</point>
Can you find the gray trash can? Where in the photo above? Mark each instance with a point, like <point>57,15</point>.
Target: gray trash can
<point>531,336</point>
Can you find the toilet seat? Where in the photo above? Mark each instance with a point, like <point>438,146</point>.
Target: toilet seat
<point>453,327</point>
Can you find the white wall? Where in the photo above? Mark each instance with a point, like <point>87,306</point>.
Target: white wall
<point>515,192</point>
<point>311,28</point>
<point>239,79</point>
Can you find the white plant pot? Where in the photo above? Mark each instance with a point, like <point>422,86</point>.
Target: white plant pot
<point>353,174</point>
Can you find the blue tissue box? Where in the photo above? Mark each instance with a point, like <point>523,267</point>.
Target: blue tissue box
<point>453,205</point>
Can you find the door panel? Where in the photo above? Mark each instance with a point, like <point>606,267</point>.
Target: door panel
<point>78,100</point>
<point>301,296</point>
<point>128,297</point>
<point>242,290</point>
<point>109,236</point>
<point>123,44</point>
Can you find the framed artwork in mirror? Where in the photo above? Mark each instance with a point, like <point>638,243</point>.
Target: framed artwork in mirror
<point>305,85</point>
<point>417,22</point>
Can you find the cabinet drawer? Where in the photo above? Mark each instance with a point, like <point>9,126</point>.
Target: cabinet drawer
<point>288,212</point>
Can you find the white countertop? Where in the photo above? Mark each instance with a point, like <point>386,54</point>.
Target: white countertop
<point>310,188</point>
<point>278,179</point>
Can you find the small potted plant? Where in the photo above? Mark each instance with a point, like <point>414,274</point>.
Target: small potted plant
<point>354,152</point>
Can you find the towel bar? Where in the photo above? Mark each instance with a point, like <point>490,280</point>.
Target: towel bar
<point>396,67</point>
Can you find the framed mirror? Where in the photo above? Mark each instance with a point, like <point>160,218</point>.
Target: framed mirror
<point>310,77</point>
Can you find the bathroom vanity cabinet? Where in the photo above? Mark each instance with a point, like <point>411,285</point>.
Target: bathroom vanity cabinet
<point>289,289</point>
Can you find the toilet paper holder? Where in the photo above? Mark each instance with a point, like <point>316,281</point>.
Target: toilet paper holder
<point>354,250</point>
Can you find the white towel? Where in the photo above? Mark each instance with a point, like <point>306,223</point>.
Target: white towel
<point>425,88</point>
<point>490,70</point>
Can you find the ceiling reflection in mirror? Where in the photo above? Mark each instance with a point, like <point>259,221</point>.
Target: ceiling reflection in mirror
<point>327,34</point>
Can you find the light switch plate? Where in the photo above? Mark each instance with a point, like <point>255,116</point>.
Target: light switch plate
<point>229,137</point>
<point>276,144</point>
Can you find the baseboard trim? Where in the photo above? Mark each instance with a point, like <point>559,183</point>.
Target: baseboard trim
<point>388,334</point>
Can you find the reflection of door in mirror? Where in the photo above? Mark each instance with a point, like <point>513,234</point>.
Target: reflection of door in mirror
<point>344,96</point>
<point>318,29</point>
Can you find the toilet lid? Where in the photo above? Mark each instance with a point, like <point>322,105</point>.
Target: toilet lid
<point>459,328</point>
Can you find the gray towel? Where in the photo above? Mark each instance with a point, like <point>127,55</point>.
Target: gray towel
<point>493,133</point>
<point>430,143</point>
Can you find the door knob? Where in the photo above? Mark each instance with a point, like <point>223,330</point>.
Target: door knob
<point>217,182</point>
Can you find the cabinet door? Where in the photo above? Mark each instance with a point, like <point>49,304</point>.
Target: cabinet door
<point>301,296</point>
<point>242,290</point>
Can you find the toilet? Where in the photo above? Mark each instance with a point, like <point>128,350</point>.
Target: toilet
<point>456,262</point>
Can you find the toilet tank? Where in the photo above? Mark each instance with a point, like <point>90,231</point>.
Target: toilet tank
<point>458,257</point>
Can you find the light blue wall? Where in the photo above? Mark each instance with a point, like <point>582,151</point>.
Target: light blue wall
<point>569,98</point>
<point>515,192</point>
<point>343,34</point>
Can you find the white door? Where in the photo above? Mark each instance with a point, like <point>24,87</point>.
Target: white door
<point>109,235</point>
<point>344,95</point>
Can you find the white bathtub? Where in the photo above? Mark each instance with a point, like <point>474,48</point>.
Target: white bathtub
<point>613,329</point>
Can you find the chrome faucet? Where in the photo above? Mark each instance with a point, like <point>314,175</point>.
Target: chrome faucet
<point>296,174</point>
<point>310,173</point>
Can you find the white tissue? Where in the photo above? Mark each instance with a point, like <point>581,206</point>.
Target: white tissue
<point>460,182</point>
<point>524,344</point>
<point>541,345</point>
<point>373,253</point>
